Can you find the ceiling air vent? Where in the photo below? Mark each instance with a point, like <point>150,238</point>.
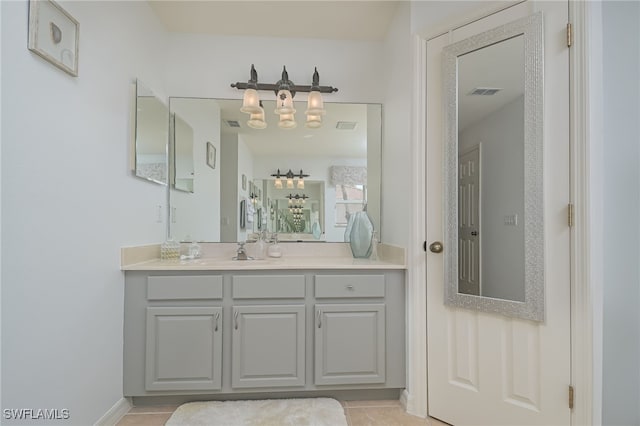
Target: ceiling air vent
<point>484,91</point>
<point>346,125</point>
<point>232,123</point>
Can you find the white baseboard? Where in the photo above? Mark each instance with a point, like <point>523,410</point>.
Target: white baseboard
<point>115,413</point>
<point>404,399</point>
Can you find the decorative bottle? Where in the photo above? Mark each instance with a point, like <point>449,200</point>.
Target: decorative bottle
<point>361,235</point>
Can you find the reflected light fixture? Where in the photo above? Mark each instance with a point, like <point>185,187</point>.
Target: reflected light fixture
<point>285,90</point>
<point>278,182</point>
<point>289,176</point>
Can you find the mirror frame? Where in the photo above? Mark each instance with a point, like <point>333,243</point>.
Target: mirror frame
<point>531,28</point>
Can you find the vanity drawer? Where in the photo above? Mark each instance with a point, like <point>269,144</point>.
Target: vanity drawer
<point>349,286</point>
<point>268,287</point>
<point>184,287</point>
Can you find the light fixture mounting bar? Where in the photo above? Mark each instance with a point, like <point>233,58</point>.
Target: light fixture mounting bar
<point>276,87</point>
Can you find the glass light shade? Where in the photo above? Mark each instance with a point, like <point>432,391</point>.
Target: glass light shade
<point>289,183</point>
<point>278,183</point>
<point>315,104</point>
<point>313,121</point>
<point>250,102</point>
<point>287,121</point>
<point>300,185</point>
<point>284,106</point>
<point>256,121</point>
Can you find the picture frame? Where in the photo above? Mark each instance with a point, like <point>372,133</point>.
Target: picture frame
<point>211,155</point>
<point>244,182</point>
<point>54,35</point>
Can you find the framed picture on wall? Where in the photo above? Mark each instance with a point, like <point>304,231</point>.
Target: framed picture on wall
<point>54,35</point>
<point>211,155</point>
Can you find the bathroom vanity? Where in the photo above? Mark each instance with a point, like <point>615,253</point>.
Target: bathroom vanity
<point>302,325</point>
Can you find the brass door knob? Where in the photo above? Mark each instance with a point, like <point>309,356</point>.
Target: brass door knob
<point>436,247</point>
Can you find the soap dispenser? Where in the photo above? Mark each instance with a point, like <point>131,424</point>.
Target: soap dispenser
<point>274,249</point>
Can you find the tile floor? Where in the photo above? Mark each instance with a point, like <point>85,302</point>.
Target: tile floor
<point>358,413</point>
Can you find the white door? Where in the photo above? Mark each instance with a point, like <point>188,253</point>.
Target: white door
<point>469,221</point>
<point>487,368</point>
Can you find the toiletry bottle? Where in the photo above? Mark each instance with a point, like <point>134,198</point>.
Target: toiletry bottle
<point>274,249</point>
<point>259,247</point>
<point>194,250</point>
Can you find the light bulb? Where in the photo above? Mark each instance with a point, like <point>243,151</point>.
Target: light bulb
<point>284,102</point>
<point>250,102</point>
<point>287,121</point>
<point>313,121</point>
<point>315,104</point>
<point>256,120</point>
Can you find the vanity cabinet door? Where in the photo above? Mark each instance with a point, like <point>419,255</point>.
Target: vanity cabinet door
<point>349,344</point>
<point>268,348</point>
<point>184,348</point>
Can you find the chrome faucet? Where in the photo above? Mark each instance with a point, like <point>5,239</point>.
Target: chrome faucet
<point>241,253</point>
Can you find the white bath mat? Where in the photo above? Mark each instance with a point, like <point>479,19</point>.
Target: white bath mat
<point>266,412</point>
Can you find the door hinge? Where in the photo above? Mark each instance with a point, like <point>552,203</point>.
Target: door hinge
<point>571,397</point>
<point>570,215</point>
<point>569,34</point>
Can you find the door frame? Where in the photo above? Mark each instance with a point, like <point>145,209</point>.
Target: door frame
<point>586,177</point>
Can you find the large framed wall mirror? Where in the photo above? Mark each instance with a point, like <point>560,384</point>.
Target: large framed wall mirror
<point>494,239</point>
<point>231,195</point>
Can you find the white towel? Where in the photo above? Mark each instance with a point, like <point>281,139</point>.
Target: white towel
<point>251,210</point>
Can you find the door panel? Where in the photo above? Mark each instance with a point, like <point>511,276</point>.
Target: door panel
<point>485,368</point>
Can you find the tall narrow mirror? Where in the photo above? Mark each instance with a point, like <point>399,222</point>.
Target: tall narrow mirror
<point>493,166</point>
<point>151,136</point>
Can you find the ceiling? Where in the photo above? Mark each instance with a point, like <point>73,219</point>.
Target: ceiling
<point>322,19</point>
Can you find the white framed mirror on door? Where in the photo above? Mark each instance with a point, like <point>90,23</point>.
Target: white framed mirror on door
<point>493,187</point>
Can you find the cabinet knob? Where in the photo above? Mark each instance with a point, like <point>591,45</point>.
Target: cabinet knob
<point>235,319</point>
<point>319,316</point>
<point>350,287</point>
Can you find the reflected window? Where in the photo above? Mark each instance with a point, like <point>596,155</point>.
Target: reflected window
<point>349,199</point>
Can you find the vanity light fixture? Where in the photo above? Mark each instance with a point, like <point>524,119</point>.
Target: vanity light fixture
<point>285,90</point>
<point>289,176</point>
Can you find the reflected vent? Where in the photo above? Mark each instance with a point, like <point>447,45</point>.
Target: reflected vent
<point>346,125</point>
<point>484,91</point>
<point>232,123</point>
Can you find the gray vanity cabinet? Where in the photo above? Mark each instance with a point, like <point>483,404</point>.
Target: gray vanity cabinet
<point>350,336</point>
<point>183,348</point>
<point>268,346</point>
<point>350,344</point>
<point>268,340</point>
<point>261,333</point>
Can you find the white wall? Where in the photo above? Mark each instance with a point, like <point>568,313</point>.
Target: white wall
<point>396,118</point>
<point>206,65</point>
<point>69,203</point>
<point>621,328</point>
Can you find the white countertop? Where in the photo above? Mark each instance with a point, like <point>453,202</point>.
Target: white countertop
<point>217,257</point>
